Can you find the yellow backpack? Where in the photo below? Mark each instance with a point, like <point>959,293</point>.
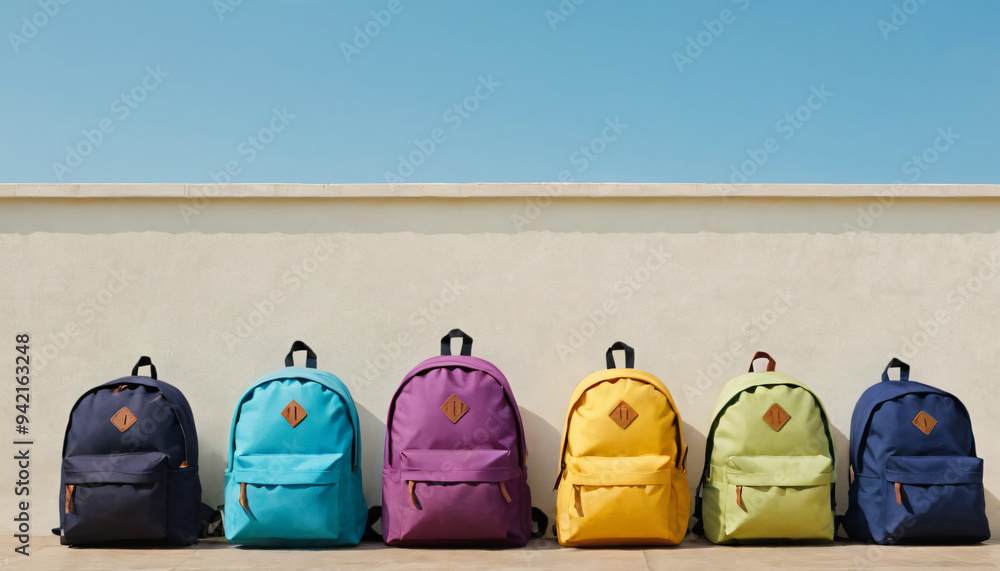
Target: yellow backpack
<point>623,472</point>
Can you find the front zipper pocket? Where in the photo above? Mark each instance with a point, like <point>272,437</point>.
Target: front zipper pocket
<point>283,497</point>
<point>934,497</point>
<point>459,495</point>
<point>115,497</point>
<point>779,497</point>
<point>620,500</point>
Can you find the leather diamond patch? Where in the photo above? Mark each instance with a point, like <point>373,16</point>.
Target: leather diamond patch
<point>454,408</point>
<point>294,413</point>
<point>924,422</point>
<point>123,419</point>
<point>776,417</point>
<point>623,414</point>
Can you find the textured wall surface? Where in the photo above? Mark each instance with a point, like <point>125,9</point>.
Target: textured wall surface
<point>696,286</point>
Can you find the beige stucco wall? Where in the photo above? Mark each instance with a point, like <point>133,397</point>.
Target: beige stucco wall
<point>695,280</point>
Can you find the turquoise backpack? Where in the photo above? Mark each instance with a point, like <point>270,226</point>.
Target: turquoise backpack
<point>294,475</point>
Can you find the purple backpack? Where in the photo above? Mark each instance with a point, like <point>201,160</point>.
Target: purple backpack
<point>454,471</point>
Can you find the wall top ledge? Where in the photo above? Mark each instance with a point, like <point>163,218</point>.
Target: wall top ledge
<point>499,190</point>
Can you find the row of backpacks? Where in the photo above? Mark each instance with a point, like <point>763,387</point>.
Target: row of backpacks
<point>455,463</point>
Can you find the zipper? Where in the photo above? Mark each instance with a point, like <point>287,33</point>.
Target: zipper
<point>562,468</point>
<point>187,452</point>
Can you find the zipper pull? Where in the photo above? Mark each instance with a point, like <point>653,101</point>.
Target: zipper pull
<point>562,468</point>
<point>413,495</point>
<point>503,490</point>
<point>899,493</point>
<point>243,500</point>
<point>70,508</point>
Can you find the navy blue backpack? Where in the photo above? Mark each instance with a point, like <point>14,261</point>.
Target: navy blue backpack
<point>914,474</point>
<point>130,466</point>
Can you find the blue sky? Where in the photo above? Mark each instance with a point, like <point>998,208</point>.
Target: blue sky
<point>312,91</point>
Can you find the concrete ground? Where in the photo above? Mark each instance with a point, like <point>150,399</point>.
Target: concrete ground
<point>46,553</point>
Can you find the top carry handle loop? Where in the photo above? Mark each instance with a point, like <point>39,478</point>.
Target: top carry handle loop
<point>144,361</point>
<point>300,346</point>
<point>762,355</point>
<point>629,355</point>
<point>466,342</point>
<point>904,370</point>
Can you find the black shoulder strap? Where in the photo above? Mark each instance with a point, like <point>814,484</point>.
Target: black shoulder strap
<point>374,514</point>
<point>698,528</point>
<point>539,523</point>
<point>211,521</point>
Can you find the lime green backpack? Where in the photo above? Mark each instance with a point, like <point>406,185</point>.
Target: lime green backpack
<point>769,463</point>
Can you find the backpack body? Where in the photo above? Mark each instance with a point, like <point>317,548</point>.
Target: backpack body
<point>454,468</point>
<point>294,472</point>
<point>130,466</point>
<point>915,474</point>
<point>769,463</point>
<point>623,474</point>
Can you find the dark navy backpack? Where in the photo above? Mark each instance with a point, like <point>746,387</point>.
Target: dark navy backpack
<point>914,472</point>
<point>130,466</point>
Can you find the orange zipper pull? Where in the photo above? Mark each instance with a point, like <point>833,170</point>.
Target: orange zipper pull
<point>413,495</point>
<point>739,498</point>
<point>503,490</point>
<point>899,493</point>
<point>70,508</point>
<point>243,499</point>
